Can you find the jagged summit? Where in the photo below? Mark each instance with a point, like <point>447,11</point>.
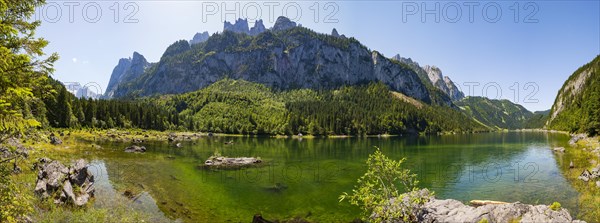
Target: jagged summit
<point>126,70</point>
<point>241,26</point>
<point>199,37</point>
<point>433,75</point>
<point>283,23</point>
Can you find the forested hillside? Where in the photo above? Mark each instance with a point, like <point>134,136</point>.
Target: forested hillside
<point>577,105</point>
<point>498,114</point>
<point>241,107</point>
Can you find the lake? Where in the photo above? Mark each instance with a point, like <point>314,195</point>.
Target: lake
<point>304,177</point>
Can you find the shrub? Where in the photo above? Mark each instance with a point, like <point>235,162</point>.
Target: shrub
<point>555,206</point>
<point>379,197</point>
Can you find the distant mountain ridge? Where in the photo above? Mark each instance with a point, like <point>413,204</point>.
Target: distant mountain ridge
<point>284,57</point>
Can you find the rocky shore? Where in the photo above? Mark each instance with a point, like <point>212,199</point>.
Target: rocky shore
<point>449,210</point>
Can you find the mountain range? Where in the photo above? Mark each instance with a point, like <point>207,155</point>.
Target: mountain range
<point>288,57</point>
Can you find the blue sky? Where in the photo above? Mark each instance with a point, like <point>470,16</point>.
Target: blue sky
<point>527,50</point>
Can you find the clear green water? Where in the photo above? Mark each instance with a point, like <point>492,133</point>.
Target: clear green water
<point>312,173</point>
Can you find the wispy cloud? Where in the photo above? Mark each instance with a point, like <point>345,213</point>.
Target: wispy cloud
<point>74,60</point>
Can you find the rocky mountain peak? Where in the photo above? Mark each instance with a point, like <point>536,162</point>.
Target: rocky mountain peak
<point>443,83</point>
<point>199,38</point>
<point>240,26</point>
<point>126,70</point>
<point>283,23</point>
<point>335,33</point>
<point>258,28</point>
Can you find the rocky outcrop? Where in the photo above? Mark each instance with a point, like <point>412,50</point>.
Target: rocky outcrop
<point>282,58</point>
<point>227,163</point>
<point>335,33</point>
<point>55,140</point>
<point>443,82</point>
<point>455,211</point>
<point>283,23</point>
<point>592,174</point>
<point>73,184</point>
<point>258,28</point>
<point>575,138</point>
<point>241,26</point>
<point>126,70</point>
<point>199,38</point>
<point>450,210</point>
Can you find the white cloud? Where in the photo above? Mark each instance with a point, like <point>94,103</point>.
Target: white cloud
<point>74,60</point>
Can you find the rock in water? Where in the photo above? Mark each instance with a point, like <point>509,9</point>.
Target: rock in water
<point>559,149</point>
<point>135,149</point>
<point>57,181</point>
<point>226,162</point>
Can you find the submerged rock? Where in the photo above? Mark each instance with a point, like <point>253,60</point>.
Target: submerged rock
<point>135,149</point>
<point>73,184</point>
<point>226,162</point>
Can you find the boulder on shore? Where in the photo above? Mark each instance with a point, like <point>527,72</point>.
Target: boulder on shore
<point>73,184</point>
<point>450,210</point>
<point>55,140</point>
<point>135,149</point>
<point>559,149</point>
<point>226,162</point>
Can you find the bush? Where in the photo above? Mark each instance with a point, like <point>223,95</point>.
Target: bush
<point>555,206</point>
<point>379,197</point>
<point>14,203</point>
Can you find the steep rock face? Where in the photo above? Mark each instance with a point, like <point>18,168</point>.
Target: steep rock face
<point>126,70</point>
<point>199,38</point>
<point>443,82</point>
<point>437,95</point>
<point>577,105</point>
<point>285,57</point>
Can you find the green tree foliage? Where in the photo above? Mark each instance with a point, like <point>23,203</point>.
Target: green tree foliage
<point>22,67</point>
<point>237,106</point>
<point>387,192</point>
<point>580,106</point>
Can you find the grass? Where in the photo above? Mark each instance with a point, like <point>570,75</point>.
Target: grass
<point>589,194</point>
